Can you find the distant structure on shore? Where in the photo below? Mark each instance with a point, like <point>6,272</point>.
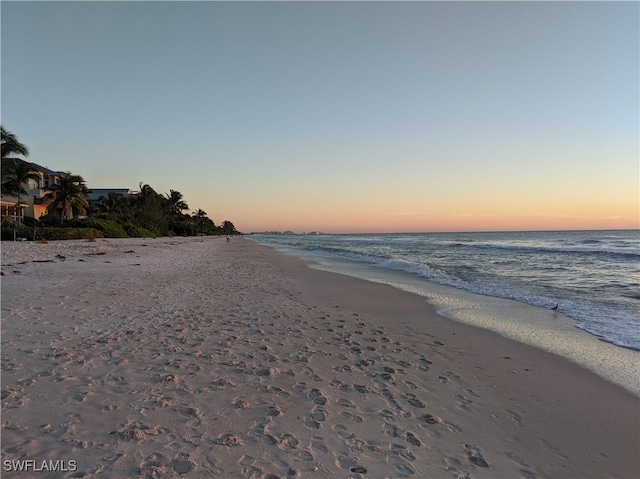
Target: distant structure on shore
<point>316,233</point>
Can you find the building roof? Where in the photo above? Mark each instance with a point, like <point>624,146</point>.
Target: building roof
<point>35,166</point>
<point>96,193</point>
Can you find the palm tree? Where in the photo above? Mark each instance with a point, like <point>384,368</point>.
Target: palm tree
<point>15,174</point>
<point>176,205</point>
<point>11,145</point>
<point>15,171</point>
<point>150,209</point>
<point>176,202</point>
<point>68,194</point>
<point>228,228</point>
<point>114,206</point>
<point>198,214</point>
<point>200,217</point>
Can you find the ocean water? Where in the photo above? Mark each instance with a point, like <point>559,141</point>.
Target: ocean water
<point>509,282</point>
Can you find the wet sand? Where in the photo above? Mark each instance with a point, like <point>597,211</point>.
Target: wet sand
<point>193,357</point>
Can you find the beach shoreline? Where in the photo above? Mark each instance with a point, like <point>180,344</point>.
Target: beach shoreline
<point>183,357</point>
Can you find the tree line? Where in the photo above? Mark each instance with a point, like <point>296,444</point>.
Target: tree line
<point>145,213</point>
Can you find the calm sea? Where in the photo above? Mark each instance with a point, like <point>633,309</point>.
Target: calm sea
<point>593,276</point>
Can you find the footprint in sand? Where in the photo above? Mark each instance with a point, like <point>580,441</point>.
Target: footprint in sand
<point>346,462</point>
<point>401,465</point>
<point>403,452</point>
<point>352,417</point>
<point>312,424</point>
<point>317,444</point>
<point>390,378</point>
<point>414,401</point>
<point>364,363</point>
<point>249,467</point>
<point>413,440</point>
<point>317,397</point>
<point>391,430</point>
<point>346,403</point>
<point>268,440</point>
<point>342,431</point>
<point>153,461</point>
<point>274,411</point>
<point>453,427</point>
<point>512,416</point>
<point>288,442</point>
<point>305,456</point>
<point>318,414</point>
<point>390,397</point>
<point>183,463</point>
<point>463,402</point>
<point>475,456</point>
<point>362,389</point>
<point>430,419</point>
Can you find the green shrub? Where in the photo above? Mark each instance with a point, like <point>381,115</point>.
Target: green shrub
<point>29,221</point>
<point>136,231</point>
<point>109,228</point>
<point>15,230</point>
<point>50,233</point>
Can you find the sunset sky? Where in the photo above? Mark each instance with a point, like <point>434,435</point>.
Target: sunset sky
<point>339,117</point>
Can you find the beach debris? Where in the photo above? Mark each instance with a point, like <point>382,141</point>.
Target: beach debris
<point>229,440</point>
<point>139,432</point>
<point>10,364</point>
<point>359,470</point>
<point>165,402</point>
<point>240,404</point>
<point>168,378</point>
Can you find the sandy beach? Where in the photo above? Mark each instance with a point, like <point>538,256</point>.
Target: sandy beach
<point>193,357</point>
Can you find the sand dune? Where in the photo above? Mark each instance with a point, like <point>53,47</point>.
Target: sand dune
<point>192,357</point>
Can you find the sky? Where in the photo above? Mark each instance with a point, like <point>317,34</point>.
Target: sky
<point>339,116</point>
